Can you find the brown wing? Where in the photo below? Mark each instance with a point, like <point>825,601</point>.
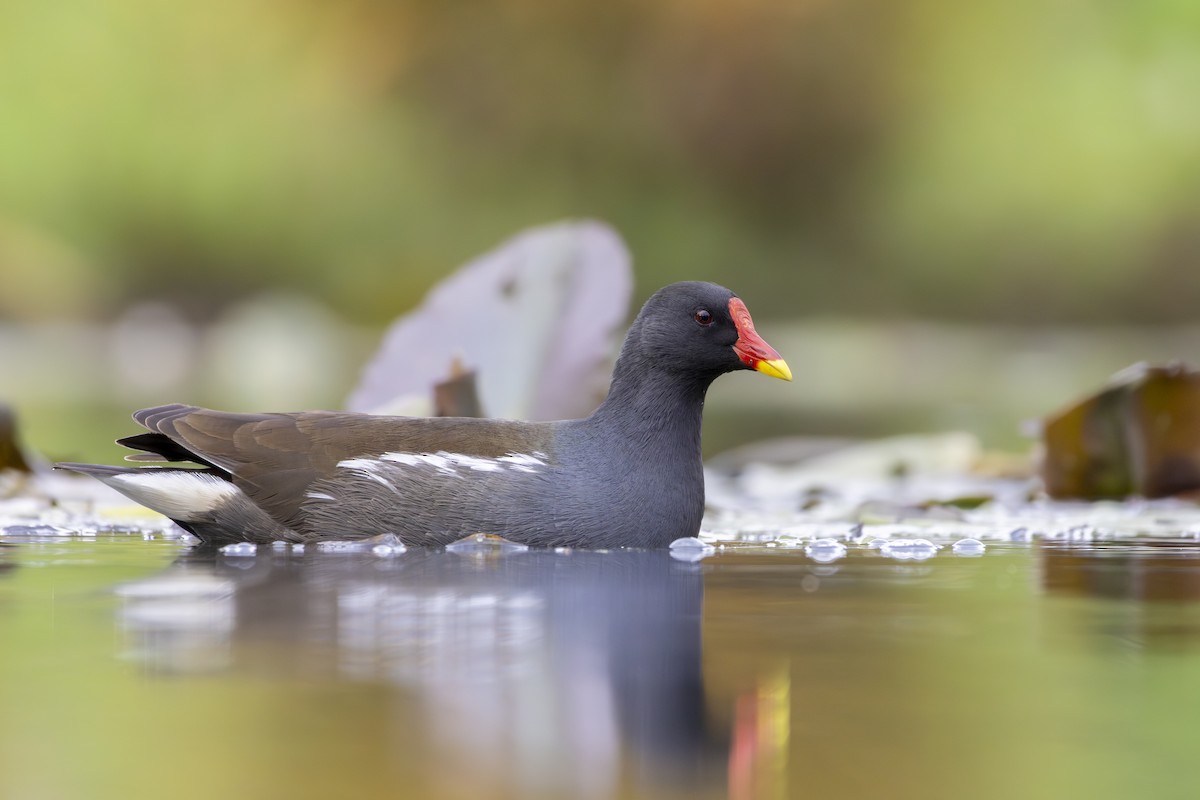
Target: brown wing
<point>274,458</point>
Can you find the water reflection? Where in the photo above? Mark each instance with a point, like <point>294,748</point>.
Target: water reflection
<point>1151,589</point>
<point>540,675</point>
<point>1149,570</point>
<point>565,671</point>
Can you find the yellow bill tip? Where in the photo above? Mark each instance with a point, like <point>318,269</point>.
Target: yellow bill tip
<point>776,368</point>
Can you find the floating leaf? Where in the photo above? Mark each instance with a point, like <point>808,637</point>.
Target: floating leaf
<point>1139,435</point>
<point>535,319</point>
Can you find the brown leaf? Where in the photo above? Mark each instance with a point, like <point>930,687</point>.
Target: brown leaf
<point>1139,435</point>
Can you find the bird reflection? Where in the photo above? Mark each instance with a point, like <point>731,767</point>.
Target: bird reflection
<point>578,666</point>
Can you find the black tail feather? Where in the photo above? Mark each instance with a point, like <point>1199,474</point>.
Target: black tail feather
<point>157,447</point>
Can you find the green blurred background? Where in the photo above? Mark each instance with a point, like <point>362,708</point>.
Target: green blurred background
<point>1008,164</point>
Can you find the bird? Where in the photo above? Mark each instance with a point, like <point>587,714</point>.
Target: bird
<point>628,475</point>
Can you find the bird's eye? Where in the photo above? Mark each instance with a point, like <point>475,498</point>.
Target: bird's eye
<point>703,316</point>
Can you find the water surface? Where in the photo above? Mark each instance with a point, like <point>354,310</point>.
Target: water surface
<point>133,667</point>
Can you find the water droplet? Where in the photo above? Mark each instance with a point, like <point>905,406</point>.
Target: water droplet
<point>824,551</point>
<point>968,547</point>
<point>387,545</point>
<point>343,546</point>
<point>691,549</point>
<point>909,549</point>
<point>483,544</point>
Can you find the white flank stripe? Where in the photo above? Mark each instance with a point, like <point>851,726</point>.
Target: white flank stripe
<point>364,464</point>
<point>368,468</point>
<point>408,459</point>
<point>180,495</point>
<point>444,462</point>
<point>523,460</point>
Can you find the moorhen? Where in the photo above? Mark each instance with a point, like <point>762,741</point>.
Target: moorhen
<point>629,475</point>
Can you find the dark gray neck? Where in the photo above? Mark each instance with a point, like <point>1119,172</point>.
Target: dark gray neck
<point>652,409</point>
<point>641,448</point>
